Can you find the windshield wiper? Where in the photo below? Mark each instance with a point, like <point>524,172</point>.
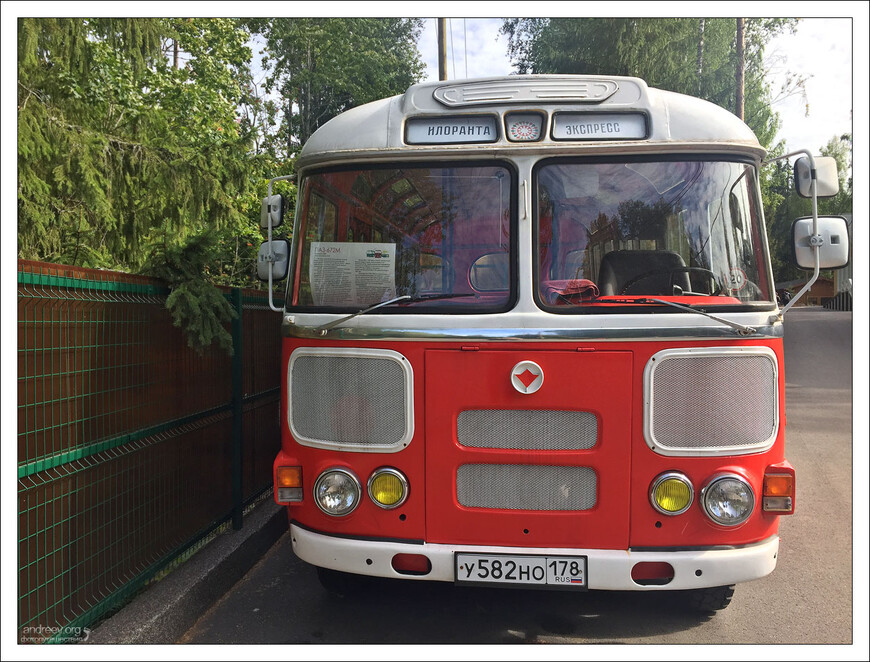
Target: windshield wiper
<point>331,325</point>
<point>740,328</point>
<point>405,297</point>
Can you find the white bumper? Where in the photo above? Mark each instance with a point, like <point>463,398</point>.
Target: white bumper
<point>606,569</point>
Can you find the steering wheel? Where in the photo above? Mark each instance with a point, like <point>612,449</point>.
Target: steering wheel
<point>670,273</point>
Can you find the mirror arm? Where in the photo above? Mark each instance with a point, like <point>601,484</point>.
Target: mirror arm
<point>271,258</point>
<point>814,240</point>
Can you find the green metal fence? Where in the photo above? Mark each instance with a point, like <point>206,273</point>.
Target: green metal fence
<point>132,448</point>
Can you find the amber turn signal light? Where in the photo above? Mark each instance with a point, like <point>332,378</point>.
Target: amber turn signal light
<point>778,485</point>
<point>288,484</point>
<point>778,492</point>
<point>288,477</point>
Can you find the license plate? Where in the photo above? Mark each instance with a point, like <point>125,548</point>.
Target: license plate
<point>557,571</point>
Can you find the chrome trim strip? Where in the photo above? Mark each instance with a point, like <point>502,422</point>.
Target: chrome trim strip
<point>640,334</point>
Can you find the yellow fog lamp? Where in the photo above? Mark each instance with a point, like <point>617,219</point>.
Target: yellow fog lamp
<point>388,487</point>
<point>671,493</point>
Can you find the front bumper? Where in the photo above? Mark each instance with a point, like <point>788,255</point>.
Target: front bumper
<point>607,569</point>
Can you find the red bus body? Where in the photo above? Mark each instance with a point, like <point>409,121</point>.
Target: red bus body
<point>527,415</point>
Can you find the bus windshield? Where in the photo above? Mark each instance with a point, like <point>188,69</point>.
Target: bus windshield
<point>442,238</point>
<point>623,232</point>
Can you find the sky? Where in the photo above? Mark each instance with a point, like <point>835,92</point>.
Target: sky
<point>820,50</point>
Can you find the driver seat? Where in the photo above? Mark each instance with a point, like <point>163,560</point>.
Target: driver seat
<point>620,267</point>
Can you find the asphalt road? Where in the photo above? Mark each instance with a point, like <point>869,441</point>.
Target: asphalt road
<point>807,600</point>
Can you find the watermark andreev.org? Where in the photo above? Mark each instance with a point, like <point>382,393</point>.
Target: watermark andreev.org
<point>39,634</point>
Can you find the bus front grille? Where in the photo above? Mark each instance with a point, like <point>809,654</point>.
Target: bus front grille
<point>351,399</point>
<point>526,487</point>
<point>518,429</point>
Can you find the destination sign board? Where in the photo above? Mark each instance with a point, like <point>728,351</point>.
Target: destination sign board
<point>599,126</point>
<point>451,130</point>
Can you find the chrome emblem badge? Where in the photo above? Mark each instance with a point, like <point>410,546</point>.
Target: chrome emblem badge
<point>527,377</point>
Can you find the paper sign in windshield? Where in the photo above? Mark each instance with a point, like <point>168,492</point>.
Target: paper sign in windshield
<point>343,273</point>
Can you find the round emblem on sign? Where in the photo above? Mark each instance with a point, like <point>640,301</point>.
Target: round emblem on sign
<point>736,279</point>
<point>527,377</point>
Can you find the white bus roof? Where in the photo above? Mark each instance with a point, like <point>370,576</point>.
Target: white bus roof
<point>675,122</point>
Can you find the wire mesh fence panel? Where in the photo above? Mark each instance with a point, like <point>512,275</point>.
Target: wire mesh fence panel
<point>261,361</point>
<point>124,439</point>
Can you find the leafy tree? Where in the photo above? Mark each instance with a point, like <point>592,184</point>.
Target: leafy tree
<point>119,149</point>
<point>783,205</point>
<point>693,56</point>
<point>196,306</point>
<point>321,67</point>
<point>130,154</point>
<point>688,55</point>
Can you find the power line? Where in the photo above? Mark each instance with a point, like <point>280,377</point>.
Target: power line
<point>452,49</point>
<point>465,45</point>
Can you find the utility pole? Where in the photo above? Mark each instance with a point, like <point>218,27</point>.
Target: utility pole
<point>738,103</point>
<point>442,49</point>
<point>700,53</point>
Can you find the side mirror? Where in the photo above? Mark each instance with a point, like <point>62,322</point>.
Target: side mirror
<point>280,264</point>
<point>272,210</point>
<point>827,182</point>
<point>832,239</point>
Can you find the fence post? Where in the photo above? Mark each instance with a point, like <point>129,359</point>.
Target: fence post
<point>236,298</point>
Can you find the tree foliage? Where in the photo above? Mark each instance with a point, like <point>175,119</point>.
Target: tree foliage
<point>118,148</point>
<point>783,205</point>
<point>321,67</point>
<point>144,144</point>
<point>695,56</point>
<point>196,306</point>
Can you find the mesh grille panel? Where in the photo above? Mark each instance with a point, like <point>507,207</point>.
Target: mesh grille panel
<point>349,400</point>
<point>712,402</point>
<point>527,430</point>
<point>526,487</point>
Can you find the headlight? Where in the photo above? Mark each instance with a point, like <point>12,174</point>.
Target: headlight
<point>671,493</point>
<point>388,488</point>
<point>337,492</point>
<point>728,500</point>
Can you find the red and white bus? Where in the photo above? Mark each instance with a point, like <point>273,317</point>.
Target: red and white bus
<point>531,339</point>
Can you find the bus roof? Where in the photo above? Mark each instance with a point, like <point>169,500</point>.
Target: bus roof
<point>674,122</point>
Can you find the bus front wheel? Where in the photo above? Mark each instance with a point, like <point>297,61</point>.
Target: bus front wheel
<point>340,583</point>
<point>709,600</point>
